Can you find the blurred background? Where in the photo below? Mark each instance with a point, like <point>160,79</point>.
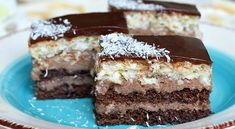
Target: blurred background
<point>17,15</point>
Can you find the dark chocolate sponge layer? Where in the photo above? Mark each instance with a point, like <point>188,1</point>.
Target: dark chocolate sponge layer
<point>184,96</point>
<point>64,92</point>
<point>146,118</point>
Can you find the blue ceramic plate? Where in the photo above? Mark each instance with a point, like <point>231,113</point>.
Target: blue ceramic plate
<point>18,104</point>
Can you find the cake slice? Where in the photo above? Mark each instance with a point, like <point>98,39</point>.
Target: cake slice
<point>148,80</point>
<point>63,51</point>
<point>153,17</point>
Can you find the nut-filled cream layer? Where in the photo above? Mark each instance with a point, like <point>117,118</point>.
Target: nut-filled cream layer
<point>165,86</point>
<point>154,74</point>
<point>69,80</point>
<point>165,23</point>
<point>68,62</point>
<point>123,107</point>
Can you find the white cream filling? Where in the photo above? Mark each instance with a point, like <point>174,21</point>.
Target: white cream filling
<point>47,49</point>
<point>154,21</point>
<point>117,71</point>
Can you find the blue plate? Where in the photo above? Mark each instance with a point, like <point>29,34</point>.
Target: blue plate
<point>17,88</point>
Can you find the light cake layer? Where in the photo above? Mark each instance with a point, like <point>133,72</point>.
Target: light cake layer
<point>158,23</point>
<point>63,47</point>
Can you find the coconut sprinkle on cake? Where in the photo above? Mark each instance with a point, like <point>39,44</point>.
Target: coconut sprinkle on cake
<point>118,44</point>
<point>134,5</point>
<point>44,28</point>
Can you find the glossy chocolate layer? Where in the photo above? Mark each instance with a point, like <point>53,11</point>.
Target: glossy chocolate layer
<point>169,7</point>
<point>181,49</point>
<point>89,24</point>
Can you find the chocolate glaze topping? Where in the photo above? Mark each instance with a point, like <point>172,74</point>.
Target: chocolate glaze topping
<point>88,24</point>
<point>169,7</point>
<point>181,49</point>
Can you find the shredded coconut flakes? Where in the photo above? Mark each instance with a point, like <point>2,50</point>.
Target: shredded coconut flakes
<point>134,5</point>
<point>43,28</point>
<point>147,115</point>
<point>118,44</point>
<point>46,73</point>
<point>132,119</point>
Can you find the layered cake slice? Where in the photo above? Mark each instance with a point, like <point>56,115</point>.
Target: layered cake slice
<point>149,80</point>
<point>153,17</point>
<point>63,51</point>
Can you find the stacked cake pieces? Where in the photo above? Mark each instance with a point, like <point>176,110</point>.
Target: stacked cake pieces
<point>159,18</point>
<point>151,80</point>
<point>142,80</point>
<point>63,51</point>
<point>63,48</point>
